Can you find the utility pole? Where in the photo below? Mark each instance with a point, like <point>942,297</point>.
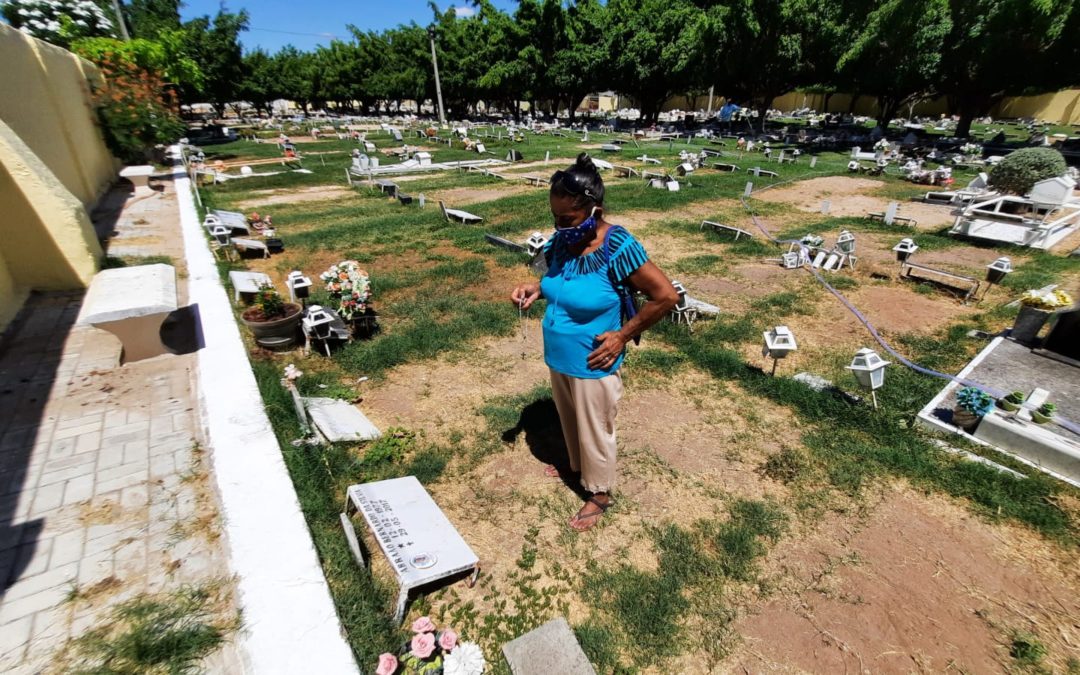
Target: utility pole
<point>435,64</point>
<point>120,21</point>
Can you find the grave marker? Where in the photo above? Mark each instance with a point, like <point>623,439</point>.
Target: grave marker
<point>825,206</point>
<point>551,648</point>
<point>813,162</point>
<point>890,212</point>
<point>748,190</point>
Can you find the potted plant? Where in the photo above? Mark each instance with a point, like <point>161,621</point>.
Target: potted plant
<point>1012,402</point>
<point>272,321</point>
<point>351,289</point>
<point>972,404</point>
<point>1035,309</point>
<point>1045,413</point>
<point>432,651</point>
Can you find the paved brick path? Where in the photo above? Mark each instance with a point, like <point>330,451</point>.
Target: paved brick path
<point>102,488</point>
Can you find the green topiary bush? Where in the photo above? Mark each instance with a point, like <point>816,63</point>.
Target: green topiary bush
<point>1019,171</point>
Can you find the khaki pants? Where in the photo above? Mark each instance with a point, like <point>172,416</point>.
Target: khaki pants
<point>587,410</point>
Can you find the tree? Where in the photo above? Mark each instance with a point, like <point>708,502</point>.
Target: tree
<point>260,85</point>
<point>998,48</point>
<point>215,46</point>
<point>147,18</point>
<point>294,74</point>
<point>653,49</point>
<point>164,57</point>
<point>579,65</point>
<point>912,28</point>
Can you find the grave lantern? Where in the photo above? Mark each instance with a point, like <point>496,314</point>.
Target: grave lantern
<point>299,285</point>
<point>869,370</point>
<point>905,249</point>
<point>997,270</point>
<point>221,234</point>
<point>779,342</point>
<point>846,242</point>
<point>790,260</point>
<point>685,168</point>
<point>535,243</point>
<point>317,325</point>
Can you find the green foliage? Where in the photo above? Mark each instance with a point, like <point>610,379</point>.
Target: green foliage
<point>154,633</point>
<point>1020,170</point>
<point>1026,648</point>
<point>391,447</point>
<point>163,55</point>
<point>786,466</point>
<point>270,303</point>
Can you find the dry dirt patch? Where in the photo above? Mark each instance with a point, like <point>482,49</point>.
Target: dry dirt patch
<point>921,585</point>
<point>315,193</point>
<point>848,197</point>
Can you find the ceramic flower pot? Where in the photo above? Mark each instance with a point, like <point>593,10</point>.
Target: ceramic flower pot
<point>277,333</point>
<point>1005,404</point>
<point>965,419</point>
<point>1028,323</point>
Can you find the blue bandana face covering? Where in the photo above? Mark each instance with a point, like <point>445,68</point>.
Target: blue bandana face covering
<point>574,235</point>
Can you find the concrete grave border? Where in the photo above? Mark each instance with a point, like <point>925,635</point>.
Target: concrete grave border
<point>290,624</point>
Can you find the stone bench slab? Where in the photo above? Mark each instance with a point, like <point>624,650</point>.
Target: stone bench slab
<point>132,303</point>
<point>340,421</point>
<point>551,648</point>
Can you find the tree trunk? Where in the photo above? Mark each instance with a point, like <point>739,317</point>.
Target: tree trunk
<point>763,109</point>
<point>851,104</point>
<point>886,111</point>
<point>825,101</point>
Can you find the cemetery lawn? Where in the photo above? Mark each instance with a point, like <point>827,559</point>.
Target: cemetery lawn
<point>757,524</point>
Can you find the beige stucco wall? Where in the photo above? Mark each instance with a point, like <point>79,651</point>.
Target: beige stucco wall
<point>47,102</point>
<point>53,167</point>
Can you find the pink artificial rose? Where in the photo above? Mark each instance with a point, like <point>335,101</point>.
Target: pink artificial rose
<point>448,639</point>
<point>422,645</point>
<point>387,664</point>
<point>423,625</point>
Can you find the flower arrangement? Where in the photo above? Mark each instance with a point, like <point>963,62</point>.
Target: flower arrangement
<point>975,401</point>
<point>1049,301</point>
<point>882,146</point>
<point>971,149</point>
<point>350,285</point>
<point>432,651</point>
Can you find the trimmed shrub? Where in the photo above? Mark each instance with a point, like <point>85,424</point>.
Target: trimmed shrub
<point>1019,171</point>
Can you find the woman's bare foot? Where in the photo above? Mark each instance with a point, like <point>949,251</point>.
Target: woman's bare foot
<point>590,512</point>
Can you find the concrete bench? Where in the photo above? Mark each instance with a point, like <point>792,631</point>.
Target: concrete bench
<point>139,176</point>
<point>896,219</point>
<point>968,285</point>
<point>132,303</point>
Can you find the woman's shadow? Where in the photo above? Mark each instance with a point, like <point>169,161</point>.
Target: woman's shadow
<point>539,421</point>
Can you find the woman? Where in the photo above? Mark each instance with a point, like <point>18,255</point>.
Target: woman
<point>592,266</point>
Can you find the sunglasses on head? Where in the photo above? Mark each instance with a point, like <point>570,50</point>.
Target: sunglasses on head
<point>572,183</point>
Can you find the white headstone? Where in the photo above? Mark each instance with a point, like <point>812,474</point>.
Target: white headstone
<point>547,157</point>
<point>890,212</point>
<point>340,421</point>
<point>748,190</point>
<point>825,206</point>
<point>813,162</point>
<point>421,200</point>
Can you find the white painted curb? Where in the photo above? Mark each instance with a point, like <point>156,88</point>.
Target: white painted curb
<point>289,622</point>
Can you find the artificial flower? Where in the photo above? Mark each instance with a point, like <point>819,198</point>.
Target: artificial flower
<point>422,645</point>
<point>388,663</point>
<point>467,659</point>
<point>423,625</point>
<point>447,640</point>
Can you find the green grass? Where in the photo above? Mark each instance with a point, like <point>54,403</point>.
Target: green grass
<point>113,262</point>
<point>170,633</point>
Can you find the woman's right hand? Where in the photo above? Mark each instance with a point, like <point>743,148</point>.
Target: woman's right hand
<point>525,295</point>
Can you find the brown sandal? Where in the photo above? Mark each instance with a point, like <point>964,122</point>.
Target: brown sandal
<point>603,506</point>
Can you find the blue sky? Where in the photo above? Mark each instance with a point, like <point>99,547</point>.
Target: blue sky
<point>306,24</point>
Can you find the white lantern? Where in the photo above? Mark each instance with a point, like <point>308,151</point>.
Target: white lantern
<point>997,270</point>
<point>846,242</point>
<point>318,324</point>
<point>535,243</point>
<point>221,234</point>
<point>790,260</point>
<point>299,285</point>
<point>685,168</point>
<point>681,290</point>
<point>779,342</point>
<point>905,249</point>
<point>869,370</point>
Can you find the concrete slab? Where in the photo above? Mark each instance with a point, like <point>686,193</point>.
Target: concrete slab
<point>551,648</point>
<point>340,421</point>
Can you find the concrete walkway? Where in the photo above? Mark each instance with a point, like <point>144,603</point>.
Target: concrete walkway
<point>104,493</point>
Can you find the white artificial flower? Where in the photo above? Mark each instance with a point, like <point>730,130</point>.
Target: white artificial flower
<point>466,659</point>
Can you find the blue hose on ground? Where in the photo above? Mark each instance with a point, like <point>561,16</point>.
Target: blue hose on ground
<point>993,391</point>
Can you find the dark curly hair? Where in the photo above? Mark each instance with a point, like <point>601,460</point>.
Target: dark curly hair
<point>581,181</point>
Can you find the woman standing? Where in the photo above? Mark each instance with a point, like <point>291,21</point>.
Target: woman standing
<point>593,266</point>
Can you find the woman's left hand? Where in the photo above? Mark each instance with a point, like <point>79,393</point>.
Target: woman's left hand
<point>611,345</point>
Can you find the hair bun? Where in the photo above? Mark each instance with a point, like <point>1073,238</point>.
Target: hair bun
<point>585,163</point>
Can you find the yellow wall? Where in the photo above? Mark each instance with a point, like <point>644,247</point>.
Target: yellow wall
<point>53,167</point>
<point>46,100</point>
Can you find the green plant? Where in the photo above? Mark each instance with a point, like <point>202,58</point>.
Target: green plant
<point>1026,648</point>
<point>975,401</point>
<point>1048,409</point>
<point>1020,170</point>
<point>270,303</point>
<point>390,448</point>
<point>1016,397</point>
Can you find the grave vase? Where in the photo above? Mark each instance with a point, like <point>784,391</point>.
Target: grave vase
<point>964,419</point>
<point>364,325</point>
<point>1028,323</point>
<point>277,333</point>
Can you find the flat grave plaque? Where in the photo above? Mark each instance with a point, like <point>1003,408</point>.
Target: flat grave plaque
<point>340,420</point>
<point>418,540</point>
